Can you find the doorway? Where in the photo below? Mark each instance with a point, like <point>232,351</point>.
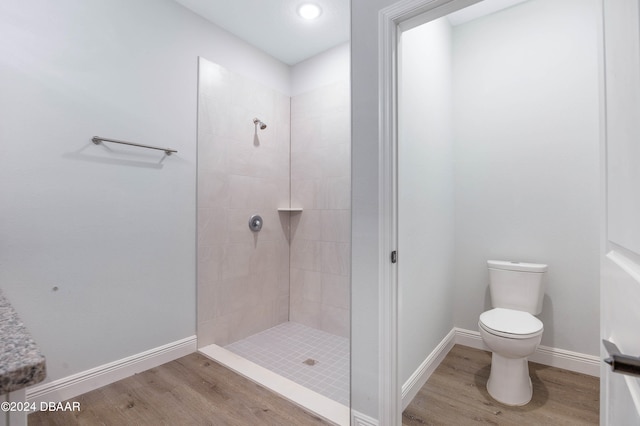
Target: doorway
<point>481,178</point>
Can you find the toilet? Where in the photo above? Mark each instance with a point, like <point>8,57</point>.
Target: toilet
<point>510,330</point>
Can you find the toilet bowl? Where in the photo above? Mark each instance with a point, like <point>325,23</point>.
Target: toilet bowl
<point>511,335</point>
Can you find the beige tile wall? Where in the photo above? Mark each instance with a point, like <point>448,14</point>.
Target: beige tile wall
<point>320,184</point>
<point>248,282</point>
<point>243,277</point>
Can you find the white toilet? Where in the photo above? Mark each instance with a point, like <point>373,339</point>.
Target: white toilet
<point>510,330</point>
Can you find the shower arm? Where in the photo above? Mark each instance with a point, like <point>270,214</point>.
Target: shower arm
<point>259,123</point>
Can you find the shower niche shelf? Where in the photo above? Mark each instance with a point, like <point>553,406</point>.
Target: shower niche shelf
<point>290,209</point>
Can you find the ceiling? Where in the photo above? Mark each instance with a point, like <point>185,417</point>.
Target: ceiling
<point>274,26</point>
<point>479,10</point>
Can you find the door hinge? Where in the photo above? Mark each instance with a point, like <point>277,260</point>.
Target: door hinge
<point>394,256</point>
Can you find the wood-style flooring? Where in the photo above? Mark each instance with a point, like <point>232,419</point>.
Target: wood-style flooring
<point>191,390</point>
<point>194,390</point>
<point>456,394</point>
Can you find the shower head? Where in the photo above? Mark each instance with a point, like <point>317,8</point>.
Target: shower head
<point>258,122</point>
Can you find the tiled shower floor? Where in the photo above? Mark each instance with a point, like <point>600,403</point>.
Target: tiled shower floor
<point>284,349</point>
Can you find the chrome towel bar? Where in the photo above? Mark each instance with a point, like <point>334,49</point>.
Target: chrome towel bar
<point>97,140</point>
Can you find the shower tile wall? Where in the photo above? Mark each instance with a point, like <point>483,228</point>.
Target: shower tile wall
<point>243,277</point>
<point>320,183</point>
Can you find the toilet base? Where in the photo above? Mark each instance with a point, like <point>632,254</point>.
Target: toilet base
<point>509,381</point>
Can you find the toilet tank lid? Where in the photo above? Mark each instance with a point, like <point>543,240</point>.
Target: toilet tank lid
<point>516,266</point>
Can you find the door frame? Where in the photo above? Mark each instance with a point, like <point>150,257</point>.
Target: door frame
<point>392,21</point>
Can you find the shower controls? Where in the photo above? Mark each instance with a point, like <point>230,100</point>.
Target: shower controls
<point>255,223</point>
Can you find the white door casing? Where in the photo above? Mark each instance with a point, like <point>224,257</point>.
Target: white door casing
<point>399,16</point>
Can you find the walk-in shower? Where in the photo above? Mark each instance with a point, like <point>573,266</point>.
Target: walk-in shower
<point>275,294</point>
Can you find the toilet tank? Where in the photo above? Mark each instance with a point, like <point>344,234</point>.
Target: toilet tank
<point>517,285</point>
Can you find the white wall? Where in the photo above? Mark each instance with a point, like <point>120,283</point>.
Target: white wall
<point>112,227</point>
<point>526,111</point>
<point>425,193</point>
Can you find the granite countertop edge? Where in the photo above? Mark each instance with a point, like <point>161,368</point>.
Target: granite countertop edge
<point>21,362</point>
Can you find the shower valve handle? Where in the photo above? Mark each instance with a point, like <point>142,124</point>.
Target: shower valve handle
<point>255,223</point>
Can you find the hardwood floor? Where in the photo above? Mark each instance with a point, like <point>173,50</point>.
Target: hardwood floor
<point>192,390</point>
<point>456,394</point>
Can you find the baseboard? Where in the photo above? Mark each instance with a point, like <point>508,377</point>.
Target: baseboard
<point>359,419</point>
<point>411,387</point>
<point>470,339</point>
<point>553,357</point>
<point>86,381</point>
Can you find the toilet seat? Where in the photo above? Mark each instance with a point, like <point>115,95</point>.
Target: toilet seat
<point>510,323</point>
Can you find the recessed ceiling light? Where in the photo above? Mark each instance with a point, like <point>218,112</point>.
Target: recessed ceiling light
<point>309,11</point>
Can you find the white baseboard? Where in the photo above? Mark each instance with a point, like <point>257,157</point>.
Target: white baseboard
<point>470,339</point>
<point>411,387</point>
<point>359,419</point>
<point>553,357</point>
<point>86,381</point>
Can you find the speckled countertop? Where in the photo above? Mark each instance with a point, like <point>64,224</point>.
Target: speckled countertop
<point>21,363</point>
